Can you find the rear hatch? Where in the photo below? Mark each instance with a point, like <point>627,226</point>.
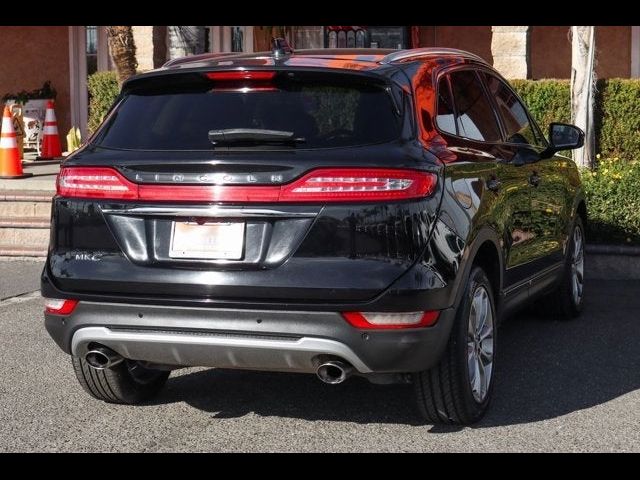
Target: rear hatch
<point>271,186</point>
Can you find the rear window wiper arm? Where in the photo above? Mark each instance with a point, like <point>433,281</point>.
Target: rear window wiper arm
<point>252,135</point>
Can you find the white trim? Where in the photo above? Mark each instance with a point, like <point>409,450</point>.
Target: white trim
<point>78,78</point>
<point>214,40</point>
<point>248,39</point>
<point>103,50</point>
<point>226,38</point>
<point>635,51</point>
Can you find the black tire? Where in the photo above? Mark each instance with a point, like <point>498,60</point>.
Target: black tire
<point>444,393</point>
<point>126,383</point>
<point>562,304</point>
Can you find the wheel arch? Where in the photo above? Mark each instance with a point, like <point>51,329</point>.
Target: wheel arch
<point>485,251</point>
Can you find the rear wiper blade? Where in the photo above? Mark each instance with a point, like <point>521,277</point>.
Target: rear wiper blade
<point>253,136</point>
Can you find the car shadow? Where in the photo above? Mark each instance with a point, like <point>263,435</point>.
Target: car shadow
<point>546,369</point>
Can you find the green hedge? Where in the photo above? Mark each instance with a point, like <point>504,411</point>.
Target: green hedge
<point>547,100</point>
<point>616,111</point>
<point>618,118</point>
<point>613,201</point>
<point>103,90</point>
<point>613,188</point>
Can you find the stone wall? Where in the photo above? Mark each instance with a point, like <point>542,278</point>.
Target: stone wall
<point>510,50</point>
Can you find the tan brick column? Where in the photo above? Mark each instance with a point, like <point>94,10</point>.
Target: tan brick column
<point>510,50</point>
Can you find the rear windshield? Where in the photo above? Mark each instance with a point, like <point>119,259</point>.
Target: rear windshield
<point>325,115</point>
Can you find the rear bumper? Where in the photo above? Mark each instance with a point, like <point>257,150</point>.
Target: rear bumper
<point>250,339</point>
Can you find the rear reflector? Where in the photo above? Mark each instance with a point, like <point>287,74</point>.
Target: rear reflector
<point>58,306</point>
<point>319,186</point>
<point>384,320</point>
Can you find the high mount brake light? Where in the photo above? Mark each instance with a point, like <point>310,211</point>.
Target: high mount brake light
<point>243,81</point>
<point>321,186</point>
<point>384,320</point>
<point>236,75</point>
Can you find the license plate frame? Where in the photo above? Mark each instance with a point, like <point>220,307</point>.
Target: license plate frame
<point>207,241</point>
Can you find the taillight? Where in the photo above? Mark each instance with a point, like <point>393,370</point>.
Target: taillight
<point>320,186</point>
<point>359,185</point>
<point>385,320</point>
<point>58,306</point>
<point>90,182</point>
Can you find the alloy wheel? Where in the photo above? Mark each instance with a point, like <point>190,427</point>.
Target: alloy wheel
<point>480,334</point>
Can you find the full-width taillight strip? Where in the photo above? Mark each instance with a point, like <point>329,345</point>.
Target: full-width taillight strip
<point>321,185</point>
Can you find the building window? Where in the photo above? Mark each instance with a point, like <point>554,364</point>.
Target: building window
<point>308,37</point>
<point>366,37</point>
<point>92,49</point>
<point>388,37</point>
<point>207,39</point>
<point>237,39</point>
<point>333,39</point>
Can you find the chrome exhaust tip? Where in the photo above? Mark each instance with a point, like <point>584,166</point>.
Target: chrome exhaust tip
<point>334,372</point>
<point>101,358</point>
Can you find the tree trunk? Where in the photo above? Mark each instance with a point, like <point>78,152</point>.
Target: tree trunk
<point>159,46</point>
<point>123,51</point>
<point>582,87</point>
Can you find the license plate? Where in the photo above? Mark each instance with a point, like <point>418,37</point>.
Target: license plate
<point>224,241</point>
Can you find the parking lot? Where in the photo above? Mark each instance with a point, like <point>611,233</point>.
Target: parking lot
<point>571,386</point>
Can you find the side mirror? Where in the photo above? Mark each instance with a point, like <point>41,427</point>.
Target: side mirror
<point>565,137</point>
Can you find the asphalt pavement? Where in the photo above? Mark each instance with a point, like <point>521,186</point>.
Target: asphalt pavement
<point>560,386</point>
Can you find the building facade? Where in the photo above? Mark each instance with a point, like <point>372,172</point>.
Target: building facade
<point>66,55</point>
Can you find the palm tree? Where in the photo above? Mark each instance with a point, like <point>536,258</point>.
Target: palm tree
<point>582,90</point>
<point>123,51</point>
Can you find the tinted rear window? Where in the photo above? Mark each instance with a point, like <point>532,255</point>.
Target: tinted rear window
<point>326,115</point>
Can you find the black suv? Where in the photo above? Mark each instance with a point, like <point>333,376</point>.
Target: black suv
<point>337,212</point>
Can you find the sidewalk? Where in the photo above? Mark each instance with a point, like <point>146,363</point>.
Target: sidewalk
<point>43,179</point>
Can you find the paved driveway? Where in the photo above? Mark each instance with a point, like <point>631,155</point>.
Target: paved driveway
<point>571,386</point>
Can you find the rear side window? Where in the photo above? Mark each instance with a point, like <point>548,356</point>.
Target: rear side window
<point>324,114</point>
<point>516,121</point>
<point>475,117</point>
<point>445,119</point>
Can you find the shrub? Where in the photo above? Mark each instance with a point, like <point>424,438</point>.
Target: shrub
<point>103,90</point>
<point>617,115</point>
<point>616,111</point>
<point>613,201</point>
<point>548,100</point>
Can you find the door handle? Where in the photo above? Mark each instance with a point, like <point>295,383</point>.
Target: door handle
<point>534,179</point>
<point>494,184</point>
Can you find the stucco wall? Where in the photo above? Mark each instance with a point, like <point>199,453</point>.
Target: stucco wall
<point>475,39</point>
<point>613,52</point>
<point>31,55</point>
<point>551,52</point>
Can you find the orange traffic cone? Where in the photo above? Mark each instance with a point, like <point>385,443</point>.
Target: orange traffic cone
<point>50,140</point>
<point>10,162</point>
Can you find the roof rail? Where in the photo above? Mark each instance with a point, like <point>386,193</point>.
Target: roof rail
<point>197,58</point>
<point>418,53</point>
